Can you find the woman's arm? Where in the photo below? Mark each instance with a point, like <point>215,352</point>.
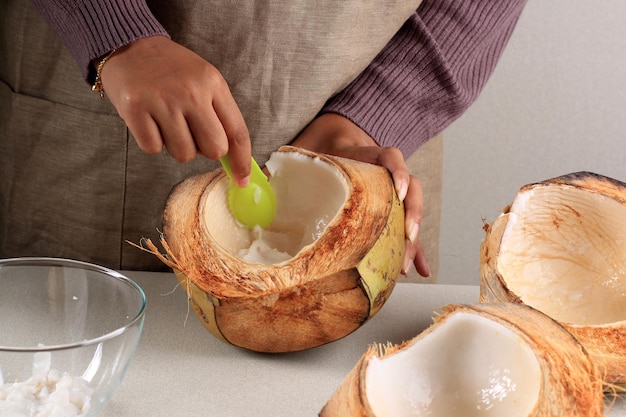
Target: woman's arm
<point>425,78</point>
<point>430,72</point>
<point>191,112</point>
<point>92,28</point>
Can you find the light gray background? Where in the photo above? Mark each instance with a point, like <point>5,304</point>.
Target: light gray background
<point>556,104</point>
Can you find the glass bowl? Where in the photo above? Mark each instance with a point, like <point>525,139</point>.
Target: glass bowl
<point>68,331</point>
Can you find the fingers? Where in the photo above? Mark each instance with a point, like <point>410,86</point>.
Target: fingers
<point>409,190</point>
<point>207,133</point>
<point>186,135</point>
<point>390,158</point>
<point>415,256</point>
<point>170,97</point>
<point>335,134</point>
<point>157,127</point>
<point>222,130</point>
<point>393,160</point>
<point>236,132</point>
<point>413,208</point>
<point>413,212</point>
<point>146,133</point>
<point>177,138</point>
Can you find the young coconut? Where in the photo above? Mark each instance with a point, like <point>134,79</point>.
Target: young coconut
<point>561,248</point>
<point>325,265</point>
<point>483,360</point>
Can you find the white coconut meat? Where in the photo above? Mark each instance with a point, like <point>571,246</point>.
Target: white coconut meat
<point>562,252</point>
<point>47,393</point>
<point>309,195</point>
<point>469,366</point>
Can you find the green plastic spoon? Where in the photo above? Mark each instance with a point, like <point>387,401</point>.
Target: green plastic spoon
<point>254,204</point>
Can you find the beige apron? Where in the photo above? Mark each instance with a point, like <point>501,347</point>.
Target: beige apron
<point>74,184</point>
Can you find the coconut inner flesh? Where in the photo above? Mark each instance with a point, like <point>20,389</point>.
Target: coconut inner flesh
<point>564,252</point>
<point>467,366</point>
<point>309,195</point>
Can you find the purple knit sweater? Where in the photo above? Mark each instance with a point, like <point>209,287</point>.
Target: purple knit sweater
<point>423,80</point>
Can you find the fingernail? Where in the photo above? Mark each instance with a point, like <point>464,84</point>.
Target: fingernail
<point>424,269</point>
<point>413,229</point>
<point>244,182</point>
<point>406,266</point>
<point>402,189</point>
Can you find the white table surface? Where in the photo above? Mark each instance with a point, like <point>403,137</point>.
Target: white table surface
<point>181,370</point>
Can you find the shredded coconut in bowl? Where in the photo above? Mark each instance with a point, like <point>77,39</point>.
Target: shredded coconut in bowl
<point>47,393</point>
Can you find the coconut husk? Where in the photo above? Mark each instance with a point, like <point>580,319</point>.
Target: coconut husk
<point>570,383</point>
<point>605,342</point>
<point>326,291</point>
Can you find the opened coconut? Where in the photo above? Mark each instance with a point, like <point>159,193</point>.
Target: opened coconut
<point>499,359</point>
<point>325,265</point>
<point>561,248</point>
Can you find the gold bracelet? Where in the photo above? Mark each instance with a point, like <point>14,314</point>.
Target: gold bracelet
<point>97,85</point>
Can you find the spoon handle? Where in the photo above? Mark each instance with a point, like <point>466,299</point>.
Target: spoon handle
<point>256,171</point>
<point>225,161</point>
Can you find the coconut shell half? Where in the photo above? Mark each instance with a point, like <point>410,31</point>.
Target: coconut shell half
<point>561,248</point>
<point>325,289</point>
<point>475,360</point>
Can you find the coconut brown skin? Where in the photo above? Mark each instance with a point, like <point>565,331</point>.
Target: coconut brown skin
<point>349,399</point>
<point>605,343</point>
<point>328,290</point>
<point>571,384</point>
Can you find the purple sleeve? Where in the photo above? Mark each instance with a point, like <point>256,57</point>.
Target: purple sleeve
<point>430,72</point>
<point>91,28</point>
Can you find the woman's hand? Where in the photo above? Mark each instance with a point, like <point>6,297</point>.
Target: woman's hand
<point>334,134</point>
<point>170,97</point>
